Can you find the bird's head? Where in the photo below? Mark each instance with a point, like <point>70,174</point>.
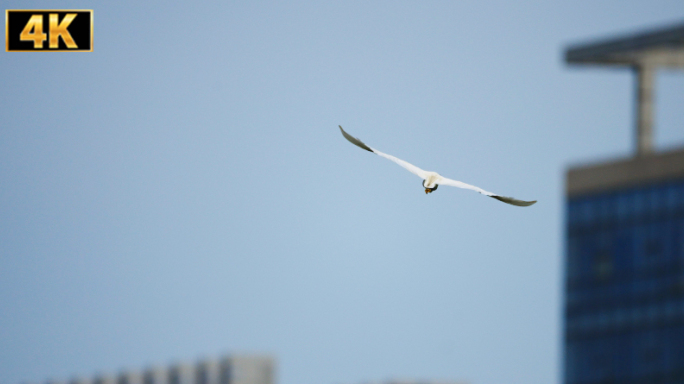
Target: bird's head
<point>428,189</point>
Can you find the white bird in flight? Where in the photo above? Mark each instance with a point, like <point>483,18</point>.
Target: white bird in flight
<point>431,180</point>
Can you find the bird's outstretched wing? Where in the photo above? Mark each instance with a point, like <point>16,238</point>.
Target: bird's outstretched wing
<point>443,180</point>
<point>410,167</point>
<point>507,200</point>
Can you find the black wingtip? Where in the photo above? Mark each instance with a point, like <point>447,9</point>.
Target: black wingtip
<point>512,201</point>
<point>354,140</point>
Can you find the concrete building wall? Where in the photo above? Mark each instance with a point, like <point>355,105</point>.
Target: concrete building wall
<point>248,370</point>
<point>631,172</point>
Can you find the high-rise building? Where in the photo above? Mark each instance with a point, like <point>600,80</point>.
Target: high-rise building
<point>624,263</point>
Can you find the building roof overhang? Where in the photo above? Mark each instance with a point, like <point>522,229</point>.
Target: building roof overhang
<point>662,47</point>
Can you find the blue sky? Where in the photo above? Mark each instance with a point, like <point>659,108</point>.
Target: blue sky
<point>183,191</point>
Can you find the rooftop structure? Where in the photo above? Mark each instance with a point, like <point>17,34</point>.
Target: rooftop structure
<point>644,53</point>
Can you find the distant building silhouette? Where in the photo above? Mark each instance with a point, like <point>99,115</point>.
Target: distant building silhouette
<point>624,264</point>
<point>227,370</point>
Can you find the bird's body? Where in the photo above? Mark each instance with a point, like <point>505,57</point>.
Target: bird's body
<point>431,180</point>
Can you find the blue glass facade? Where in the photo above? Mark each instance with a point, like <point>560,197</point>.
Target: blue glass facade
<point>624,286</point>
